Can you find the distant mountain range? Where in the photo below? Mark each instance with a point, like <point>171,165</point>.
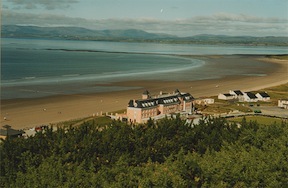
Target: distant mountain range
<point>132,35</point>
<point>77,32</point>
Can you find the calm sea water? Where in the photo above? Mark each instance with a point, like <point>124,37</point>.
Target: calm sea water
<point>38,68</point>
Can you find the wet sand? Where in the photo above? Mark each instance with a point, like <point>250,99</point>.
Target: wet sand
<point>23,113</point>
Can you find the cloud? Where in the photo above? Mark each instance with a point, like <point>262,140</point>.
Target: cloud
<point>246,18</point>
<point>47,4</point>
<point>220,24</point>
<point>16,18</point>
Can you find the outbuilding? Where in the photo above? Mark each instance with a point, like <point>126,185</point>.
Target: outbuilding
<point>238,94</point>
<point>263,96</point>
<point>226,96</point>
<point>250,97</point>
<point>9,132</point>
<point>283,103</point>
<point>204,101</point>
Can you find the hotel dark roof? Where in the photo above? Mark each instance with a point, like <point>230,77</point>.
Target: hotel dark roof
<point>169,100</point>
<point>146,103</point>
<point>146,92</point>
<point>156,101</point>
<point>187,97</point>
<point>164,100</point>
<point>131,103</point>
<point>177,91</point>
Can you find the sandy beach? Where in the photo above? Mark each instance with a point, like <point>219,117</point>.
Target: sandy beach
<point>23,113</point>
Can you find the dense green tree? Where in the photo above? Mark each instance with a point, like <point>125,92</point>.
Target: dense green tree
<point>166,153</point>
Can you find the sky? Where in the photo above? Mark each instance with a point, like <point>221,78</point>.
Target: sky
<point>176,17</point>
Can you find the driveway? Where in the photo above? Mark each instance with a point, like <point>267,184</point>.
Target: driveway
<point>272,110</point>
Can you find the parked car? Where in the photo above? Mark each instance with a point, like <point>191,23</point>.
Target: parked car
<point>257,111</point>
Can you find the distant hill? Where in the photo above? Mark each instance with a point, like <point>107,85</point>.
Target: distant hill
<point>77,32</point>
<point>133,35</point>
<point>244,40</point>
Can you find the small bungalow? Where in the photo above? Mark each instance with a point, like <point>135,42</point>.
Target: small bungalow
<point>263,96</point>
<point>226,96</point>
<point>250,97</point>
<point>283,103</point>
<point>238,94</point>
<point>204,101</point>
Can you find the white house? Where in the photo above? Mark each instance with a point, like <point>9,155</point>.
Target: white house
<point>226,96</point>
<point>250,97</point>
<point>283,103</point>
<point>263,96</point>
<point>238,94</point>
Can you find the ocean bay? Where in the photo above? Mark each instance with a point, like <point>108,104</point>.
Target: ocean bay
<point>38,68</point>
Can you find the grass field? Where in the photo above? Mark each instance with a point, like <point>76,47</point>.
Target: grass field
<point>99,120</point>
<point>219,107</point>
<point>259,119</point>
<point>277,92</point>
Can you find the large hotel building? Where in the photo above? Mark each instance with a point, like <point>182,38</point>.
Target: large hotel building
<point>139,111</point>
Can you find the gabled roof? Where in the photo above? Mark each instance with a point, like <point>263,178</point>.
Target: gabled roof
<point>177,91</point>
<point>251,95</point>
<point>264,94</point>
<point>169,100</point>
<point>227,95</point>
<point>238,92</point>
<point>163,99</point>
<point>131,103</point>
<point>147,103</point>
<point>146,92</point>
<point>187,97</point>
<point>11,132</point>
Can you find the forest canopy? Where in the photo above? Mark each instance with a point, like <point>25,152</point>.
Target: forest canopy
<point>167,153</point>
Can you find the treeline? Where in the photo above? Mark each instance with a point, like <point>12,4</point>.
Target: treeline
<point>169,153</point>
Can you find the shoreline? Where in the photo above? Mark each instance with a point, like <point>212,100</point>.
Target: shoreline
<point>22,113</point>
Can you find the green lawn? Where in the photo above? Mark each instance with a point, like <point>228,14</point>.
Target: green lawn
<point>277,92</point>
<point>100,120</point>
<point>260,119</point>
